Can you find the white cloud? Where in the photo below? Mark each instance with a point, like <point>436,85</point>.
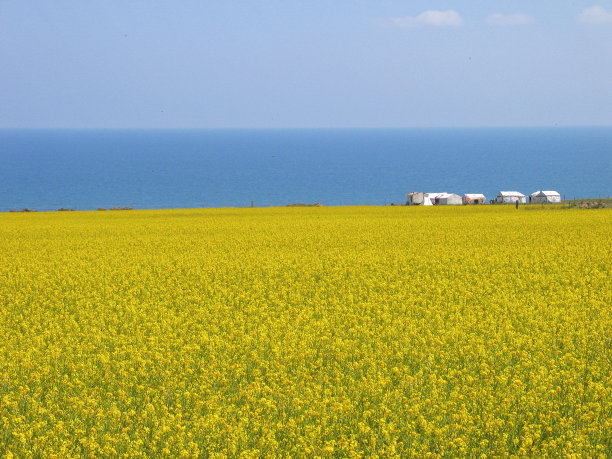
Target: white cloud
<point>429,18</point>
<point>595,15</point>
<point>517,19</point>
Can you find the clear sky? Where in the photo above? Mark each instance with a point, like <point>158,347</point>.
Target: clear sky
<point>310,63</point>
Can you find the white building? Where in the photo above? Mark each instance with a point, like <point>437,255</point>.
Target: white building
<point>447,199</point>
<point>510,197</point>
<point>418,198</point>
<point>474,198</point>
<point>544,197</point>
<point>434,198</point>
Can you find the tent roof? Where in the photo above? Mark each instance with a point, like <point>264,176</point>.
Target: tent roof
<point>473,195</point>
<point>545,193</point>
<point>436,195</point>
<point>510,193</point>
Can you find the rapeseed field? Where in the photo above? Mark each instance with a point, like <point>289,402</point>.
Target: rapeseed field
<point>301,332</point>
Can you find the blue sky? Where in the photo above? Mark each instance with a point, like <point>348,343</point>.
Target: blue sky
<point>302,64</point>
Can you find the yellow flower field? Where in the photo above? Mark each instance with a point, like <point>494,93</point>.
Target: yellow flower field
<point>298,332</point>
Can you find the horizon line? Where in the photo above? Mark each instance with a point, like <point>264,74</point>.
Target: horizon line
<point>298,128</point>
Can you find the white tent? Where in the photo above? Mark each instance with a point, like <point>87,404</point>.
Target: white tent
<point>434,198</point>
<point>510,197</point>
<point>418,198</point>
<point>474,198</point>
<point>543,197</point>
<point>448,199</point>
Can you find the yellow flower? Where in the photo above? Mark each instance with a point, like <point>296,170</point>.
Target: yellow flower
<point>350,331</point>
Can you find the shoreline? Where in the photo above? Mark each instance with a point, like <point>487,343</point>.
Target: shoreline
<point>581,203</point>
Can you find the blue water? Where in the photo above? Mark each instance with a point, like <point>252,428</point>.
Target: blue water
<point>87,169</point>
